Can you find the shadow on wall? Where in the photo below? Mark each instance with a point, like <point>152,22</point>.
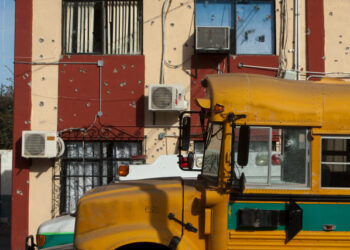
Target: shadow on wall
<point>160,118</point>
<point>188,49</point>
<point>41,166</point>
<point>140,105</point>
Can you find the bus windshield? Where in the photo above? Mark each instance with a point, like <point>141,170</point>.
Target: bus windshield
<point>211,160</point>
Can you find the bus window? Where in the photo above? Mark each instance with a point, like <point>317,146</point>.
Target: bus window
<point>335,162</point>
<point>277,157</point>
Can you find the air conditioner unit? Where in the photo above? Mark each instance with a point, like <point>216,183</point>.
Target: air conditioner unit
<point>215,39</point>
<point>41,144</point>
<point>166,97</point>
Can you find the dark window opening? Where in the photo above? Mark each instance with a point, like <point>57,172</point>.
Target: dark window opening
<point>102,26</point>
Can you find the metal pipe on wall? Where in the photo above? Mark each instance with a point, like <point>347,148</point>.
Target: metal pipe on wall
<point>297,38</point>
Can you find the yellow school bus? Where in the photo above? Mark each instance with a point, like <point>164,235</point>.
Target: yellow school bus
<point>275,175</point>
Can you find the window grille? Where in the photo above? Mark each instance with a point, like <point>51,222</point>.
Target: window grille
<point>86,165</point>
<point>102,26</point>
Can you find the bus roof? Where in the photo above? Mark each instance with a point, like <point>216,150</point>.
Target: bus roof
<point>269,101</point>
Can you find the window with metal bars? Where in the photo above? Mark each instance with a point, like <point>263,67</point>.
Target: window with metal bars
<point>102,26</point>
<point>86,165</point>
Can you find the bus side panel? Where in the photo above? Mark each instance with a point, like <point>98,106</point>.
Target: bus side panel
<point>316,216</point>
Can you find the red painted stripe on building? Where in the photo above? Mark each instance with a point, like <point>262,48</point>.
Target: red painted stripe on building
<point>21,121</point>
<point>122,94</point>
<point>205,64</point>
<point>315,40</point>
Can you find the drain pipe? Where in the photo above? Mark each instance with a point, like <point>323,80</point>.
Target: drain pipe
<point>297,38</point>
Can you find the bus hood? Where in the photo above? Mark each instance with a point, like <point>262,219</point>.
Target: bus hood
<point>127,205</point>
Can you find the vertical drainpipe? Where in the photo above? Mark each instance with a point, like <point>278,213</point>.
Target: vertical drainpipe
<point>297,38</point>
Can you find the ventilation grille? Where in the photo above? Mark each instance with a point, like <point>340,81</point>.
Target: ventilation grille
<point>162,98</point>
<point>213,38</point>
<point>34,144</point>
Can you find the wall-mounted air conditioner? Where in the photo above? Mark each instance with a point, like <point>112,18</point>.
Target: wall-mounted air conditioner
<point>41,144</point>
<point>213,39</point>
<point>166,97</point>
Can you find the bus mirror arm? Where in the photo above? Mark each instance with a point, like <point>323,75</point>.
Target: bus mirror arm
<point>243,150</point>
<point>239,184</point>
<point>186,163</point>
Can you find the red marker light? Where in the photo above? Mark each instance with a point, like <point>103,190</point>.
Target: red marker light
<point>219,108</point>
<point>329,227</point>
<point>276,159</point>
<point>184,162</point>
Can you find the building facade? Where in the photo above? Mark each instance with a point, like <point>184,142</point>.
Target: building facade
<point>84,69</point>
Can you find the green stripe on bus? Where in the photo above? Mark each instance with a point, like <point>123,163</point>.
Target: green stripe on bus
<point>56,239</point>
<point>315,216</point>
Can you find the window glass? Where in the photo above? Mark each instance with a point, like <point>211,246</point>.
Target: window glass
<point>217,13</point>
<point>258,162</point>
<point>255,27</point>
<point>251,23</point>
<point>86,165</point>
<point>335,162</point>
<point>102,27</point>
<point>277,156</point>
<point>293,155</point>
<point>211,160</point>
<point>198,154</point>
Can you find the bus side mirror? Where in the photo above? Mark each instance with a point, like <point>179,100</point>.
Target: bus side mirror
<point>186,133</point>
<point>243,146</point>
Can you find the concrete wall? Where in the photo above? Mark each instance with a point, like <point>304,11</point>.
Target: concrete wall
<point>337,36</point>
<point>46,40</point>
<point>289,45</point>
<point>179,27</point>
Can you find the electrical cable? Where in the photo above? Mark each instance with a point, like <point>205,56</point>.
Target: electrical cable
<point>161,81</point>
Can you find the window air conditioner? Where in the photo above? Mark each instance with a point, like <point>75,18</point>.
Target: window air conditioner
<point>41,144</point>
<point>213,39</point>
<point>166,97</point>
